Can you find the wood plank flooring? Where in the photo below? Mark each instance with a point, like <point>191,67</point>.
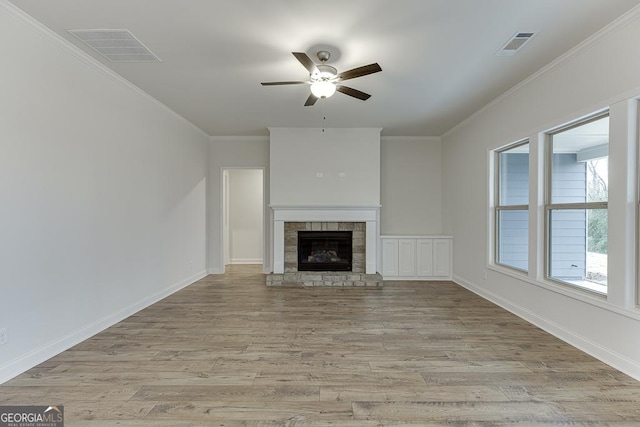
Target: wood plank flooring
<point>228,351</point>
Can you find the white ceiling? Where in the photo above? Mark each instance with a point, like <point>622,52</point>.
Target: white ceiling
<point>438,56</point>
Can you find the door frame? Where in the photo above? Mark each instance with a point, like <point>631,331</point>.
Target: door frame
<point>223,216</point>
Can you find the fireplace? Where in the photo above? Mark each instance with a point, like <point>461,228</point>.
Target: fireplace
<point>325,250</point>
<point>358,221</point>
<point>361,220</point>
<point>299,245</point>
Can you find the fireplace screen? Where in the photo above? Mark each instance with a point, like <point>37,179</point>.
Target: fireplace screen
<point>324,250</point>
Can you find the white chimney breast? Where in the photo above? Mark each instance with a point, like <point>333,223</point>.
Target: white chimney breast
<point>325,175</point>
<point>347,161</point>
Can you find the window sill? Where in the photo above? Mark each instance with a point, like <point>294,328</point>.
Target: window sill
<point>588,286</point>
<point>588,296</point>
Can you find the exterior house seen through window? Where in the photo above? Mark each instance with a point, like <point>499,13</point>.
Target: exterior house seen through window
<point>577,202</point>
<point>512,207</point>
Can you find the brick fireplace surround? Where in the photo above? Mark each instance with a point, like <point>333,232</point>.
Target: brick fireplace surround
<point>358,240</point>
<point>362,221</point>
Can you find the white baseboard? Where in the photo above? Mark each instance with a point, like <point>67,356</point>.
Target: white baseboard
<point>266,270</point>
<point>418,279</point>
<point>15,367</point>
<point>245,261</point>
<point>606,355</point>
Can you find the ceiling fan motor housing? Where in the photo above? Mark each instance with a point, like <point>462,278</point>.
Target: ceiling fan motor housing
<point>324,72</point>
<point>323,55</point>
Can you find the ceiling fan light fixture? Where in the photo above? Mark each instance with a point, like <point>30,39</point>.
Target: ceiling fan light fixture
<point>323,89</point>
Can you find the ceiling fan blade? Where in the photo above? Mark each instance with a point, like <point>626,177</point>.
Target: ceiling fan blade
<point>305,61</point>
<point>284,83</point>
<point>353,92</point>
<point>311,100</point>
<point>360,71</point>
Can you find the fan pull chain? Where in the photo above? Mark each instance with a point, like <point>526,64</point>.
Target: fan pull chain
<point>324,117</point>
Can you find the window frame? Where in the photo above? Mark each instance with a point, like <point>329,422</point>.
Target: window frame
<point>498,207</point>
<point>548,196</point>
<point>636,180</point>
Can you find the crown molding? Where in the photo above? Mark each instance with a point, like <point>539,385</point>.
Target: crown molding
<point>251,138</point>
<point>416,139</point>
<point>78,54</point>
<point>379,129</point>
<point>617,24</point>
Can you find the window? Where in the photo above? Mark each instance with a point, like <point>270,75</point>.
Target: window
<point>512,206</point>
<point>577,196</point>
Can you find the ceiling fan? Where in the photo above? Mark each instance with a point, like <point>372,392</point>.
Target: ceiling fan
<point>325,79</point>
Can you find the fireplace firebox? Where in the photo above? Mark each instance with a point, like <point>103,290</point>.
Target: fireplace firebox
<point>325,250</point>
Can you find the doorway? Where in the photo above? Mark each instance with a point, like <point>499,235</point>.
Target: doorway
<point>243,216</point>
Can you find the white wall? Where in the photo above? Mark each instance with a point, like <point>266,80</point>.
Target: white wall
<point>233,152</point>
<point>348,159</point>
<point>103,196</point>
<point>410,185</point>
<point>599,73</point>
<point>245,216</point>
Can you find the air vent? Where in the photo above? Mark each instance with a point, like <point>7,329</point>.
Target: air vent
<point>515,44</point>
<point>115,45</point>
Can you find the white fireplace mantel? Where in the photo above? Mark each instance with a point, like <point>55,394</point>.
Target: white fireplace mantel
<point>361,213</point>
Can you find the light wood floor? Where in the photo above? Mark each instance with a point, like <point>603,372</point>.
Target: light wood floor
<point>227,351</point>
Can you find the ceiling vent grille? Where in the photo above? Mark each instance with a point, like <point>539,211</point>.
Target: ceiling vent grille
<point>514,44</point>
<point>115,45</point>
